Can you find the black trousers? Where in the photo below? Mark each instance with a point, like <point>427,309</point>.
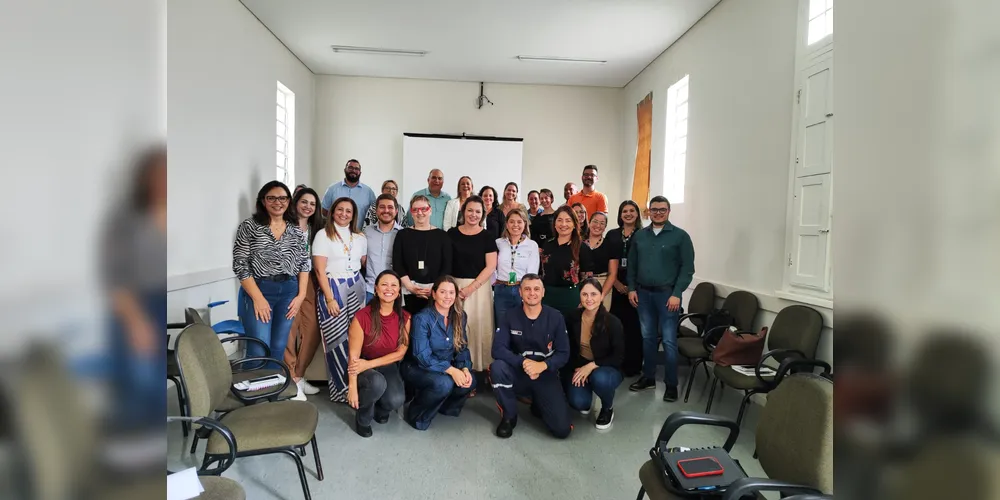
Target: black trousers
<point>629,316</point>
<point>380,391</point>
<point>547,396</point>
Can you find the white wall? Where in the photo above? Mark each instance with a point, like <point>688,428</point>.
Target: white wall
<point>222,71</point>
<point>740,58</point>
<point>564,128</point>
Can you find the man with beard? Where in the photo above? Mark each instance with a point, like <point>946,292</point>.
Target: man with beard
<point>351,187</point>
<point>381,236</point>
<point>437,198</point>
<point>593,200</point>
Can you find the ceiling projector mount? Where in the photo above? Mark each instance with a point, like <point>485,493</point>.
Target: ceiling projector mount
<point>482,98</point>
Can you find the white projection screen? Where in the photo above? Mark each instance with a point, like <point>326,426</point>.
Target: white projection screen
<point>488,161</point>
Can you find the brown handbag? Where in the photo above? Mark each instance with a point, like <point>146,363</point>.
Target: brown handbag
<point>739,348</point>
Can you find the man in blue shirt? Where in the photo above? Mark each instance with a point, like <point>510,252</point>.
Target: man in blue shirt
<point>529,348</point>
<point>437,198</point>
<point>381,237</point>
<point>351,187</point>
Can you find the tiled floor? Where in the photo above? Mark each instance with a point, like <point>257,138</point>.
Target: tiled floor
<point>462,458</point>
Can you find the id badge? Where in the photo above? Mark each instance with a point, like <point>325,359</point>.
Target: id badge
<point>420,264</point>
<point>624,262</point>
<point>512,278</point>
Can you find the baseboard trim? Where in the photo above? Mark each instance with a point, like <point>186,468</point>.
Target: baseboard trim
<point>198,278</point>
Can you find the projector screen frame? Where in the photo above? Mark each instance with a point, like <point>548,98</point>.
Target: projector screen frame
<point>463,136</point>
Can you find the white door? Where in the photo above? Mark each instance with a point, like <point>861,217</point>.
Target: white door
<point>815,141</point>
<point>809,260</point>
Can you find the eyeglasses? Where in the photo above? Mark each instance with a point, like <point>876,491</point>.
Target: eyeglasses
<point>658,210</point>
<point>420,210</point>
<point>278,199</point>
<point>392,189</point>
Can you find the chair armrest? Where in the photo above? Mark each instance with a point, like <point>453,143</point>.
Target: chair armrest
<point>771,384</point>
<point>226,434</point>
<point>794,365</point>
<point>176,326</point>
<point>235,338</point>
<point>681,418</point>
<point>711,338</point>
<point>809,496</point>
<point>269,394</point>
<point>693,316</point>
<point>748,486</point>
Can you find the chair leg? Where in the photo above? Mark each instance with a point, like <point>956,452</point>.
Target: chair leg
<point>743,406</point>
<point>642,493</point>
<point>691,375</point>
<point>711,396</point>
<point>194,439</point>
<point>302,472</point>
<point>181,404</point>
<point>302,450</point>
<point>319,466</point>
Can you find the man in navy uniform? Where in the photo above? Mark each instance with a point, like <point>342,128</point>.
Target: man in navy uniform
<point>529,348</point>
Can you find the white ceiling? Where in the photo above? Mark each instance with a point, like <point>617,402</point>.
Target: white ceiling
<point>479,40</point>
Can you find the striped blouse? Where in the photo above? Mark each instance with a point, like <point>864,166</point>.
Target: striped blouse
<point>257,254</point>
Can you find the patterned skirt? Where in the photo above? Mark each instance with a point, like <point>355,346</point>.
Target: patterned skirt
<point>350,296</point>
<point>479,307</point>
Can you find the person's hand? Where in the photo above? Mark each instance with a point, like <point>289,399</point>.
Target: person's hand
<point>262,310</point>
<point>620,288</point>
<point>352,397</point>
<point>293,307</point>
<point>424,292</point>
<point>534,368</point>
<point>468,378</point>
<point>357,366</point>
<point>674,304</point>
<point>458,376</point>
<point>332,306</point>
<point>581,374</point>
<point>633,299</point>
<point>142,337</point>
<point>467,292</point>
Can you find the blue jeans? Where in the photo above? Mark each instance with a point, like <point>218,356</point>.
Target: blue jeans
<point>368,297</point>
<point>505,298</point>
<point>603,381</point>
<point>434,392</point>
<point>137,378</point>
<point>279,295</point>
<point>656,322</point>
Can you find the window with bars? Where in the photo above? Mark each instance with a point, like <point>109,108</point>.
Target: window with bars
<point>820,20</point>
<point>285,144</point>
<point>675,149</point>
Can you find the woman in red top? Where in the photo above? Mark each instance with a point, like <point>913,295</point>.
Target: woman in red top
<point>378,337</point>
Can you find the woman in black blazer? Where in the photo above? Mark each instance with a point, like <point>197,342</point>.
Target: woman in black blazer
<point>597,348</point>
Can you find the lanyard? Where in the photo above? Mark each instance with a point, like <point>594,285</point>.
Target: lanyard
<point>512,278</point>
<point>348,247</point>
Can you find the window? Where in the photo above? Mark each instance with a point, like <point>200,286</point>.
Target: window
<point>675,146</point>
<point>820,20</point>
<point>285,156</point>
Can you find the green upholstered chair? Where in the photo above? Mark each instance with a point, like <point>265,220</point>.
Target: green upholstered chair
<point>791,342</point>
<point>701,303</point>
<point>216,486</point>
<point>742,306</point>
<point>284,427</point>
<point>794,441</point>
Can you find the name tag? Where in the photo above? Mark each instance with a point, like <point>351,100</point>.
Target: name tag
<point>624,262</point>
<point>515,332</point>
<point>420,264</point>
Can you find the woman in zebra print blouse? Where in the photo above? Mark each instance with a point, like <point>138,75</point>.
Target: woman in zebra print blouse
<point>271,260</point>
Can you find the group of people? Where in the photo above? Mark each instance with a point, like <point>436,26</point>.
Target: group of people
<point>428,302</point>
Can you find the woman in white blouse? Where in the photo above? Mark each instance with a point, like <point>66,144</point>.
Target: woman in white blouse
<point>339,253</point>
<point>453,210</point>
<point>517,255</point>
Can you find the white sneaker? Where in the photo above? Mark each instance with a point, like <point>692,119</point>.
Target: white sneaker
<point>308,388</point>
<point>300,395</point>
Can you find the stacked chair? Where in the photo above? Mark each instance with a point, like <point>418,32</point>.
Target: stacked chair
<point>283,427</point>
<point>791,340</point>
<point>794,440</point>
<point>697,349</point>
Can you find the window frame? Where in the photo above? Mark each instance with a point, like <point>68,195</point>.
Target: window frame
<point>285,102</point>
<point>675,144</point>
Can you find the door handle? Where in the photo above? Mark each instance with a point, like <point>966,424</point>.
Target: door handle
<point>824,230</point>
<point>829,115</point>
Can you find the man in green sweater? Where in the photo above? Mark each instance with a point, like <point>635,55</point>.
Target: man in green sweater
<point>660,267</point>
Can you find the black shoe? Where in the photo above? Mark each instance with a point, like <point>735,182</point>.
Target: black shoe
<point>363,430</point>
<point>506,428</point>
<point>670,394</point>
<point>382,418</point>
<point>642,384</point>
<point>604,418</point>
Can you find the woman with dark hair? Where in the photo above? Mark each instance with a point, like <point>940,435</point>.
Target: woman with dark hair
<point>581,219</point>
<point>597,347</point>
<point>339,253</point>
<point>629,222</point>
<point>420,255</point>
<point>564,260</point>
<point>510,199</point>
<point>437,368</point>
<point>271,260</point>
<point>371,215</point>
<point>474,260</point>
<point>378,338</point>
<point>517,255</point>
<point>133,263</point>
<point>541,225</point>
<point>492,214</point>
<point>303,339</point>
<point>453,210</point>
<point>604,257</point>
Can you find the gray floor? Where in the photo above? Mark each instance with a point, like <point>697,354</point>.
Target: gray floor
<point>462,458</point>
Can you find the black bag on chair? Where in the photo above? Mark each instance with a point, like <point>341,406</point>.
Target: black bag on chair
<point>716,319</point>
